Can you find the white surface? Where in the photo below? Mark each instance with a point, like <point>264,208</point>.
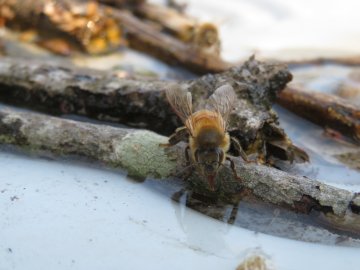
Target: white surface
<point>55,215</point>
<point>283,29</point>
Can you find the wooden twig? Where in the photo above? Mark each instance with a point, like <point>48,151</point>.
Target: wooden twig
<point>326,110</point>
<point>203,35</point>
<point>104,34</point>
<point>138,152</point>
<point>142,103</point>
<point>148,39</point>
<point>347,61</point>
<point>179,6</point>
<point>121,3</point>
<point>87,24</point>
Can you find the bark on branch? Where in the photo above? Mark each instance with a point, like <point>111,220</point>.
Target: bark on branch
<point>145,38</point>
<point>326,110</point>
<point>203,35</point>
<point>93,27</point>
<point>142,103</point>
<point>86,24</point>
<point>138,152</point>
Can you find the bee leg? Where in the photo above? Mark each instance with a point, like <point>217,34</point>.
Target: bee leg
<point>233,214</point>
<point>177,195</point>
<point>238,148</point>
<point>187,175</point>
<point>187,156</point>
<point>187,171</point>
<point>180,134</point>
<point>232,166</point>
<point>183,174</point>
<point>241,152</point>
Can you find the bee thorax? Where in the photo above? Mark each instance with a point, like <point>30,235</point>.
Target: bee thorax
<point>209,137</point>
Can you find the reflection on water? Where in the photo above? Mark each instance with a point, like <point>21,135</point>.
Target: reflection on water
<point>322,78</point>
<point>260,218</point>
<point>322,150</point>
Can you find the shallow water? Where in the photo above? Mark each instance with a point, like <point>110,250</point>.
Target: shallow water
<point>321,149</point>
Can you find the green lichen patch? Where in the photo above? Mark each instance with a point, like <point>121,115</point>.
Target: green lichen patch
<point>142,156</point>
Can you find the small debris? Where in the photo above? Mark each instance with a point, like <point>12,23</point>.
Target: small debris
<point>256,261</point>
<point>13,198</point>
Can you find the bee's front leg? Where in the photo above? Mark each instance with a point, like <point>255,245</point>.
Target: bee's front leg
<point>187,170</point>
<point>187,156</point>
<point>180,134</point>
<point>232,166</point>
<point>188,167</point>
<point>233,214</point>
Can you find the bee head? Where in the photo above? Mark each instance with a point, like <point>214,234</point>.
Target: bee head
<point>209,161</point>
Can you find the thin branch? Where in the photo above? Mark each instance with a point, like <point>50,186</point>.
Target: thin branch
<point>326,110</point>
<point>203,35</point>
<point>138,152</point>
<point>150,40</point>
<point>347,61</point>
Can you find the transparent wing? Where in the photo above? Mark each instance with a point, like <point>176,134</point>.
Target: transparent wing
<point>222,101</point>
<point>181,102</point>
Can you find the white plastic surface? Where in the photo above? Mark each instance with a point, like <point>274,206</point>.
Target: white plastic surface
<point>55,215</point>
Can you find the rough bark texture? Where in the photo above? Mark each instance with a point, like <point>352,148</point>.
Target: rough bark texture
<point>204,35</point>
<point>325,110</point>
<point>103,34</point>
<point>142,103</point>
<point>150,40</point>
<point>138,152</point>
<point>86,24</point>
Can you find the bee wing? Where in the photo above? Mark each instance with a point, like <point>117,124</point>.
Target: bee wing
<point>222,101</point>
<point>181,102</point>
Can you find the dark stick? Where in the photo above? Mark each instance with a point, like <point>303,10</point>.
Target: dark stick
<point>145,38</point>
<point>326,110</point>
<point>204,35</point>
<point>142,103</point>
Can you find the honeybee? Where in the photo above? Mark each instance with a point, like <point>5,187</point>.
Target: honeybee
<point>206,129</point>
